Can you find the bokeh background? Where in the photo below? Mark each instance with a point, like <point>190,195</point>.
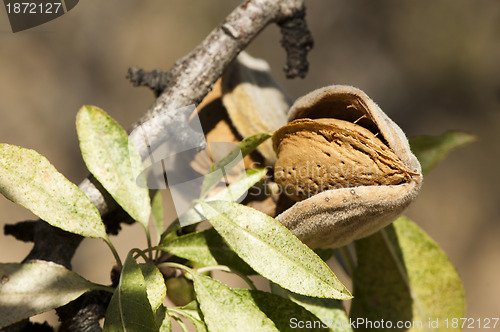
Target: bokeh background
<point>431,65</point>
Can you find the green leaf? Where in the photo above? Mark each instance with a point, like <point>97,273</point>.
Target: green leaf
<point>330,311</point>
<point>171,232</point>
<point>32,288</point>
<point>206,248</point>
<point>193,309</point>
<point>226,310</point>
<point>430,150</point>
<point>163,319</point>
<point>286,315</point>
<point>232,193</point>
<point>403,275</point>
<point>129,308</point>
<point>155,284</point>
<point>111,157</point>
<point>244,147</point>
<point>272,251</point>
<point>193,313</point>
<point>28,179</point>
<point>157,212</point>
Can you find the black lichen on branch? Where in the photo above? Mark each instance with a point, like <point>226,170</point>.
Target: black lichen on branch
<point>156,80</point>
<point>297,42</point>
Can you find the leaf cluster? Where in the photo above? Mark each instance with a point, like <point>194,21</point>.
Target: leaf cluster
<point>399,274</point>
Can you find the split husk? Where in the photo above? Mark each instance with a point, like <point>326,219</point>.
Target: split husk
<point>348,166</point>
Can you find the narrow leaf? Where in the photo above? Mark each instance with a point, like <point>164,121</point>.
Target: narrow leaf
<point>231,193</point>
<point>193,309</point>
<point>155,284</point>
<point>157,212</point>
<point>129,308</point>
<point>163,319</point>
<point>206,248</point>
<point>244,147</point>
<point>236,190</point>
<point>32,288</point>
<point>271,250</point>
<point>329,311</point>
<point>430,150</point>
<point>403,275</point>
<point>28,179</point>
<point>111,157</point>
<point>227,310</point>
<point>286,315</point>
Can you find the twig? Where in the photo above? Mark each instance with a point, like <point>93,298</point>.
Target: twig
<point>222,45</point>
<point>22,230</point>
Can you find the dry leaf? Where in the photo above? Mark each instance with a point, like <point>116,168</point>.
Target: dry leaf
<point>255,102</point>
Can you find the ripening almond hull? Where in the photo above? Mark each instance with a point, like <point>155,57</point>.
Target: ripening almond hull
<point>348,166</point>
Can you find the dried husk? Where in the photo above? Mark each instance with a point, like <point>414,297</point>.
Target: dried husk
<point>254,100</point>
<point>217,127</point>
<point>341,210</point>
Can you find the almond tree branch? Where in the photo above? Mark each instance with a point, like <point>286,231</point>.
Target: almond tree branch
<point>193,76</point>
<point>223,44</point>
<point>186,83</point>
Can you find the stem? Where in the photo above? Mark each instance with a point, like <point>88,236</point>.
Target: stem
<point>157,254</point>
<point>115,253</point>
<point>103,288</point>
<point>141,253</point>
<point>176,266</point>
<point>180,322</point>
<point>148,238</point>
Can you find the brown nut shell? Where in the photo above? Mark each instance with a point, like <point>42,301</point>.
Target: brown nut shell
<point>344,123</point>
<point>323,154</point>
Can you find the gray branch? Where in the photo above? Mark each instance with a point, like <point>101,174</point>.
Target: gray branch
<point>193,76</point>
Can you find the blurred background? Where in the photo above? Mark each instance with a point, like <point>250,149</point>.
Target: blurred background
<point>431,66</point>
